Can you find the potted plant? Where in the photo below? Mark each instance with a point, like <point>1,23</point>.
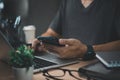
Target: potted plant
<point>21,61</point>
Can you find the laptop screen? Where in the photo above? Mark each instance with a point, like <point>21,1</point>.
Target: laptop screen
<point>5,47</point>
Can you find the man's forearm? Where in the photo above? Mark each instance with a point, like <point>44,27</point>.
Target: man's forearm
<point>50,32</point>
<point>110,46</point>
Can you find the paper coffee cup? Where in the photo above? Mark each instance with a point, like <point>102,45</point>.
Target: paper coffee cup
<point>29,32</point>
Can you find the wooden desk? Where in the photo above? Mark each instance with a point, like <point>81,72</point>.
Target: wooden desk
<point>6,71</point>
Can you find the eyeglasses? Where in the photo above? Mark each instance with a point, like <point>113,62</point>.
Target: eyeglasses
<point>58,73</point>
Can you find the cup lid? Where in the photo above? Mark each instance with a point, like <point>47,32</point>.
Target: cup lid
<point>30,27</point>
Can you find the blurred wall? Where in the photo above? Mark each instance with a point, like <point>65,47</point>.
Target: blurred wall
<point>41,12</point>
<point>13,8</point>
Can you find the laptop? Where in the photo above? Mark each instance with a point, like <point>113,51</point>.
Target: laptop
<point>109,59</point>
<point>42,61</point>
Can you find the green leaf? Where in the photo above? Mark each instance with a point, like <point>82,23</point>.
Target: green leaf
<point>21,57</point>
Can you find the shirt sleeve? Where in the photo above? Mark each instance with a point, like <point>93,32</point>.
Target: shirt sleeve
<point>57,22</point>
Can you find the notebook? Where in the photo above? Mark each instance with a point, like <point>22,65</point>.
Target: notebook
<point>42,61</point>
<point>109,59</point>
<point>97,71</point>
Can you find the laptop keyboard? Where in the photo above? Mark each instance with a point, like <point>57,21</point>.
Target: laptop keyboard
<point>40,63</point>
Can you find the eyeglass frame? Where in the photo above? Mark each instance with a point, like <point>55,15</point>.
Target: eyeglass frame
<point>46,73</point>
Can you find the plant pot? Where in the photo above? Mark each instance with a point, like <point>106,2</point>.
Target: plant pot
<point>23,73</point>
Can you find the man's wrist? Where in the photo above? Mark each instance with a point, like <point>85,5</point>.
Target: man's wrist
<point>90,54</point>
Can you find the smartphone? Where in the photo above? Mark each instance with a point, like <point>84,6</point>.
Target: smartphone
<point>50,40</point>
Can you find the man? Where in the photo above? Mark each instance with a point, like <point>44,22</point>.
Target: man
<point>85,26</point>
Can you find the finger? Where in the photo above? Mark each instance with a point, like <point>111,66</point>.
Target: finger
<point>66,41</point>
<point>35,43</point>
<point>52,48</point>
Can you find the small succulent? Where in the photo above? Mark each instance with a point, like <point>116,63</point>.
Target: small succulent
<point>21,57</point>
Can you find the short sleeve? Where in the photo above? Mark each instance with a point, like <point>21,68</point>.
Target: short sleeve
<point>57,22</point>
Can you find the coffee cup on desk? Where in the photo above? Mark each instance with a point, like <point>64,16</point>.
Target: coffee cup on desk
<point>29,32</point>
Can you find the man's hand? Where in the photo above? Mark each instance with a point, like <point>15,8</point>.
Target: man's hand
<point>73,48</point>
<point>37,45</point>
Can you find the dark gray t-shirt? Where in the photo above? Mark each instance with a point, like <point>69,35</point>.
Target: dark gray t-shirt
<point>96,24</point>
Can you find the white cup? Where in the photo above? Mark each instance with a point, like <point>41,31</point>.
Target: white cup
<point>29,32</point>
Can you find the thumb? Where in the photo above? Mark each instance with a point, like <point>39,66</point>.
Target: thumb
<point>66,41</point>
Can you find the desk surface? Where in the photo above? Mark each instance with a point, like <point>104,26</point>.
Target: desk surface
<point>6,71</point>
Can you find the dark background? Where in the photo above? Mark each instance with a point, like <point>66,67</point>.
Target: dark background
<point>33,12</point>
<point>41,13</point>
